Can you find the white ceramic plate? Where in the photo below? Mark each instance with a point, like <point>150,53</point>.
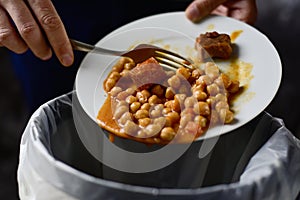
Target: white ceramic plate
<point>254,48</point>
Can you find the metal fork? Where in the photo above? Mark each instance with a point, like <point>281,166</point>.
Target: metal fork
<point>139,54</point>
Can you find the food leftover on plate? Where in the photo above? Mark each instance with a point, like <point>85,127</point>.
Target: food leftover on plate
<point>149,103</point>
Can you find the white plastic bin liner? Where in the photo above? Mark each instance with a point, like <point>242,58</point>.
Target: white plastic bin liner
<point>52,165</point>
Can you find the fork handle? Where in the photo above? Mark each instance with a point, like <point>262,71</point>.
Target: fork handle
<point>81,46</point>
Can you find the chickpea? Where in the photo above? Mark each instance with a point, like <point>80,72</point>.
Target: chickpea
<point>174,105</point>
<point>185,119</point>
<point>169,93</point>
<point>166,111</point>
<point>221,105</point>
<point>196,73</point>
<point>130,99</point>
<point>226,80</point>
<point>144,122</point>
<point>141,134</point>
<point>226,115</point>
<point>122,95</point>
<point>223,81</point>
<point>229,116</point>
<point>202,108</point>
<point>173,116</point>
<point>146,106</point>
<point>188,111</point>
<point>124,72</point>
<point>115,75</point>
<point>143,96</point>
<point>204,79</point>
<point>211,70</point>
<point>174,82</point>
<point>159,107</point>
<point>176,127</point>
<point>131,128</point>
<point>200,95</point>
<point>129,60</point>
<point>121,103</point>
<point>140,114</point>
<point>184,89</point>
<point>115,90</point>
<point>221,97</point>
<point>124,118</point>
<point>191,129</point>
<point>160,121</point>
<point>183,72</point>
<point>155,113</point>
<point>152,130</point>
<point>153,100</point>
<point>169,104</point>
<point>158,90</point>
<point>213,89</point>
<point>109,84</point>
<point>211,101</point>
<point>219,82</point>
<point>124,60</point>
<point>168,122</point>
<point>129,65</point>
<point>167,133</point>
<point>222,115</point>
<point>120,111</point>
<point>157,140</point>
<point>135,106</point>
<point>180,98</point>
<point>198,87</point>
<point>130,91</point>
<point>201,121</point>
<point>119,66</point>
<point>189,102</point>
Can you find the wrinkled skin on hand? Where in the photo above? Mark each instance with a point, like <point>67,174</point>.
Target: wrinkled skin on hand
<point>34,25</point>
<point>243,10</point>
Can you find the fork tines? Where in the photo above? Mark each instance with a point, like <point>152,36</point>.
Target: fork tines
<point>171,60</point>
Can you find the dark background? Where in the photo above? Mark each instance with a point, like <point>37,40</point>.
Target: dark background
<point>277,20</point>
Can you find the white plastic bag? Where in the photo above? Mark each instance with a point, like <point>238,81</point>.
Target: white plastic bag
<point>52,166</point>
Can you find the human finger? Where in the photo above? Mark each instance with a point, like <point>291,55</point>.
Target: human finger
<point>201,8</point>
<point>8,36</point>
<point>54,29</point>
<point>243,10</point>
<point>28,28</point>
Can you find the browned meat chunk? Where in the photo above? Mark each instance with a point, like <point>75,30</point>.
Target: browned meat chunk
<point>215,44</point>
<point>147,73</point>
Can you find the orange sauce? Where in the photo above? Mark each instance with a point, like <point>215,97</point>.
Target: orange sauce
<point>105,117</point>
<point>106,121</point>
<point>242,71</point>
<point>235,34</point>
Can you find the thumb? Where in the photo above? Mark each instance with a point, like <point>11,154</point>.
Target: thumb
<point>201,8</point>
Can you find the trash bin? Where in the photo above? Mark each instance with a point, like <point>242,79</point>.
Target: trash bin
<point>260,160</point>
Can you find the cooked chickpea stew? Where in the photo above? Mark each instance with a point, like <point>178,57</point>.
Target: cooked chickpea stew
<point>150,104</point>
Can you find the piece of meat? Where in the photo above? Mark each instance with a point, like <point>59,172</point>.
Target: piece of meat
<point>214,44</point>
<point>148,73</point>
